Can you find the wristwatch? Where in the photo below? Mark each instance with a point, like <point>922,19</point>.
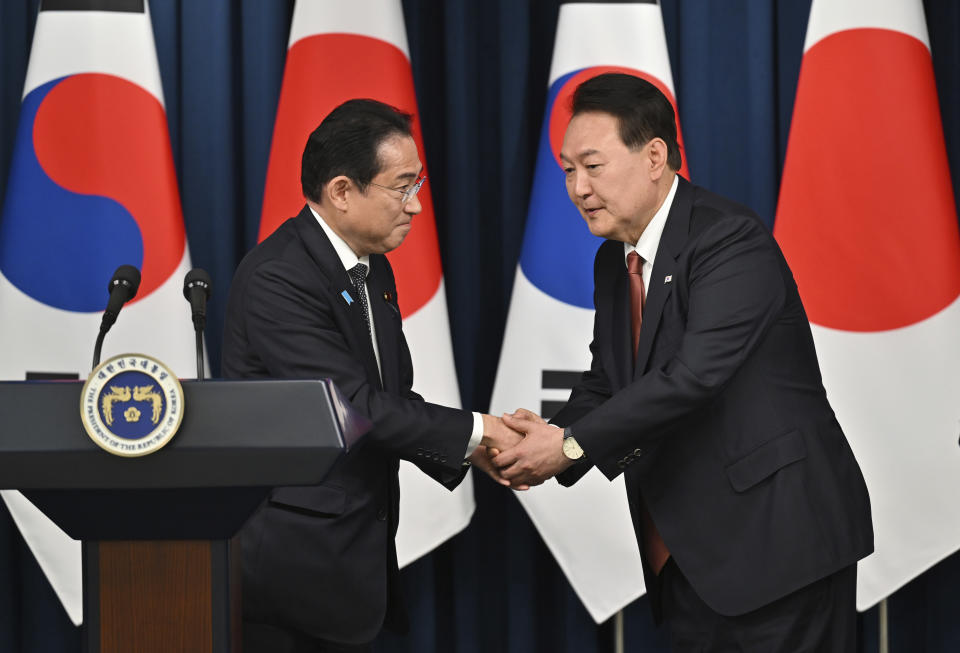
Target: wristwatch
<point>571,449</point>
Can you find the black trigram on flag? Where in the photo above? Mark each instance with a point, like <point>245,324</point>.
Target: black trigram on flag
<point>557,380</point>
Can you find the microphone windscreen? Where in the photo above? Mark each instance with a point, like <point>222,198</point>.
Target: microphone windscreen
<point>197,278</point>
<point>127,276</point>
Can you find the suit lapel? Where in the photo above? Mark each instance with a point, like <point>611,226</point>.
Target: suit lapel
<point>618,326</point>
<point>386,319</point>
<point>338,281</point>
<point>664,268</point>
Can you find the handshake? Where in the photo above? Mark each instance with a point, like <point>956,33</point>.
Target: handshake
<point>520,449</point>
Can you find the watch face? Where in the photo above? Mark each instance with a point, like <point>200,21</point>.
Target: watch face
<point>571,449</point>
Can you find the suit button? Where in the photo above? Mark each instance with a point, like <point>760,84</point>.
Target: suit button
<point>638,452</point>
<point>419,452</point>
<point>621,464</point>
<point>443,459</point>
<point>382,514</point>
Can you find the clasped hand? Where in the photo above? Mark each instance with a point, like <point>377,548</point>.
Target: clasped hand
<point>520,450</point>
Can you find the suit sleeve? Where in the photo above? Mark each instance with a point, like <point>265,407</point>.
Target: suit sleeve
<point>736,293</point>
<point>591,391</point>
<point>292,326</point>
<point>594,386</point>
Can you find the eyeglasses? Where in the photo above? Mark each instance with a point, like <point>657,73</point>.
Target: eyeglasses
<point>405,195</point>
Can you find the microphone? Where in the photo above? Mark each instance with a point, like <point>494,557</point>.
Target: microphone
<point>196,290</point>
<point>122,288</point>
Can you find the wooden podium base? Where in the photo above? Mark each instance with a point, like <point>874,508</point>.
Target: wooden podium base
<point>162,595</point>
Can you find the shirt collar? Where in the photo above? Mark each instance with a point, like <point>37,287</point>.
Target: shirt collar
<point>347,255</point>
<point>650,238</point>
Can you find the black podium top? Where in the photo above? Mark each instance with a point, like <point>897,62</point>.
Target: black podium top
<point>237,440</point>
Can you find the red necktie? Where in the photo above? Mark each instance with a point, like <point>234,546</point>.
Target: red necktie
<point>653,546</point>
<point>638,297</point>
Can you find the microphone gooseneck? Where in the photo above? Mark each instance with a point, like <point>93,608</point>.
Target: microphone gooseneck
<point>197,287</point>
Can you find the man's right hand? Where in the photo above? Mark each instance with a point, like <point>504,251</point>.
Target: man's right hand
<point>497,435</point>
<point>482,460</point>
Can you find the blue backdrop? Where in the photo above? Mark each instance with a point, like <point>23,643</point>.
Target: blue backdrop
<point>481,74</point>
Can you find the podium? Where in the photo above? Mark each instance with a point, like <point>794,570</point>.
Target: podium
<point>160,560</point>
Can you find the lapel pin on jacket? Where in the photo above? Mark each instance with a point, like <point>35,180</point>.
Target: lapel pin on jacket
<point>346,297</point>
<point>668,278</point>
<point>388,297</point>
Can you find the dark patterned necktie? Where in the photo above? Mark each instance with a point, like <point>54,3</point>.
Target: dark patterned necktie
<point>358,274</point>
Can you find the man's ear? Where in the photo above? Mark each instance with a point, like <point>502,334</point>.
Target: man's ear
<point>337,192</point>
<point>657,156</point>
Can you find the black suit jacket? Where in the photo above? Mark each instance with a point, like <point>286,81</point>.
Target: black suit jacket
<point>722,423</point>
<point>321,559</point>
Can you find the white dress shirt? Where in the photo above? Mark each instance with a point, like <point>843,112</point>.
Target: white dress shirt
<point>649,241</point>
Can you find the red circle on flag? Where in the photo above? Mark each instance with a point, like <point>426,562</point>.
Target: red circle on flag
<point>102,135</point>
<point>561,110</point>
<point>866,216</point>
<point>322,72</point>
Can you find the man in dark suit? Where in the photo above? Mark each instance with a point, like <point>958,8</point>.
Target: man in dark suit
<point>317,299</point>
<point>705,392</point>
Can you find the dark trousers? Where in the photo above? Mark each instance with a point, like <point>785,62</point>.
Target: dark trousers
<point>260,638</point>
<point>818,618</point>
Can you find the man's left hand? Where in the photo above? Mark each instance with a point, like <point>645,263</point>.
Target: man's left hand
<point>538,457</point>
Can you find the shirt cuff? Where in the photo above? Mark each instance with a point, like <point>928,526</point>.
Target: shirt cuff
<point>475,436</point>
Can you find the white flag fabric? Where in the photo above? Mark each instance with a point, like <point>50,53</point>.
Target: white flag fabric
<point>550,323</point>
<point>92,186</point>
<point>871,235</point>
<point>339,50</point>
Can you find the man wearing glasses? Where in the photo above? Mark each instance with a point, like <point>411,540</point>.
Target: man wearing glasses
<point>318,299</point>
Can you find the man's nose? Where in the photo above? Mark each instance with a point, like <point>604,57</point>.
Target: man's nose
<point>413,206</point>
<point>581,185</point>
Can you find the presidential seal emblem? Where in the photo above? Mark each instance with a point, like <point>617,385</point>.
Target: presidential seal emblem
<point>131,405</point>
